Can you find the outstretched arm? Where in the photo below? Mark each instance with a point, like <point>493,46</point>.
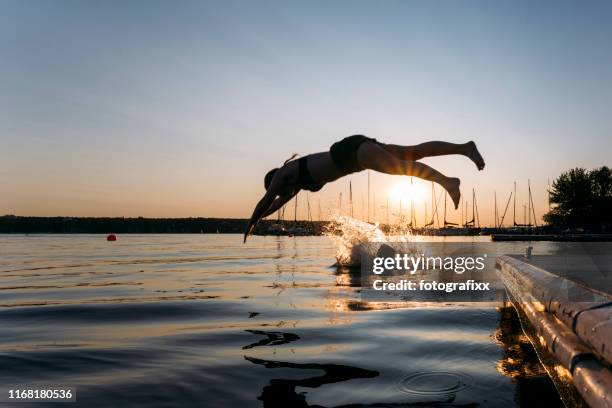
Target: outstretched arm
<point>267,205</point>
<point>261,207</point>
<point>277,204</point>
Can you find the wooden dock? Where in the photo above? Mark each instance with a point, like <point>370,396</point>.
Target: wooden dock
<point>572,322</point>
<point>553,237</point>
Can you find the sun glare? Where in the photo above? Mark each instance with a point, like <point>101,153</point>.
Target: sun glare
<point>406,191</point>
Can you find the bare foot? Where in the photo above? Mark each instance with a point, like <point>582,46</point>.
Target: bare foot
<point>452,187</point>
<point>474,155</point>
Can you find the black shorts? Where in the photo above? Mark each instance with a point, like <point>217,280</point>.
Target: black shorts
<point>344,152</point>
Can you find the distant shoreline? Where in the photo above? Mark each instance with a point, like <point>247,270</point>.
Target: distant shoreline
<point>11,224</point>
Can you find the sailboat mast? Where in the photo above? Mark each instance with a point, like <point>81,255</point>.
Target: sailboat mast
<point>495,202</point>
<point>535,223</point>
<point>514,211</point>
<point>548,190</point>
<point>433,203</point>
<point>476,207</point>
<point>529,202</point>
<point>501,222</point>
<point>444,210</point>
<point>473,208</point>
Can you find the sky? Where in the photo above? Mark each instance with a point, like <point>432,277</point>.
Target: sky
<point>175,109</point>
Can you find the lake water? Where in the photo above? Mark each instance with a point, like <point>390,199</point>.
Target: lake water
<point>203,320</point>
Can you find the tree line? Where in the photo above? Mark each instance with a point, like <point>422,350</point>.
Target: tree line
<point>581,199</point>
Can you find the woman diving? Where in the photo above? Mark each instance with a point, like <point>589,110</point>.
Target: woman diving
<point>353,154</point>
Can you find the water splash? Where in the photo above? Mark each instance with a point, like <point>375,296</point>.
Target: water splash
<point>349,236</point>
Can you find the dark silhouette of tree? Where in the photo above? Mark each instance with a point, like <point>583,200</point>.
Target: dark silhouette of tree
<point>582,199</point>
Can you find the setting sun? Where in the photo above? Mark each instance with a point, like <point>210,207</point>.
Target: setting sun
<point>406,190</point>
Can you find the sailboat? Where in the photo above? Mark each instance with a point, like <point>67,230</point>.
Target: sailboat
<point>501,221</point>
<point>528,211</point>
<point>472,227</point>
<point>449,228</point>
<point>447,223</point>
<point>295,229</point>
<point>433,206</point>
<point>278,228</point>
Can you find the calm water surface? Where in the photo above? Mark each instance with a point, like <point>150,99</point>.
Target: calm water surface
<point>203,320</point>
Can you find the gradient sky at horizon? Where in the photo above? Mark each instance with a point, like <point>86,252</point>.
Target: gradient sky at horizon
<point>179,108</point>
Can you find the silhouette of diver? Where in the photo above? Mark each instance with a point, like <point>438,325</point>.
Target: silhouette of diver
<point>353,154</point>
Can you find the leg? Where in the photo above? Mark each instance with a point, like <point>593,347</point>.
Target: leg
<point>430,149</point>
<point>375,157</point>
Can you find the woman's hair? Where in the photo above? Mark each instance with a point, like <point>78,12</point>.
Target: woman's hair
<point>270,175</point>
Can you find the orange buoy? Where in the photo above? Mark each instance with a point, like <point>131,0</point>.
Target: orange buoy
<point>111,237</point>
